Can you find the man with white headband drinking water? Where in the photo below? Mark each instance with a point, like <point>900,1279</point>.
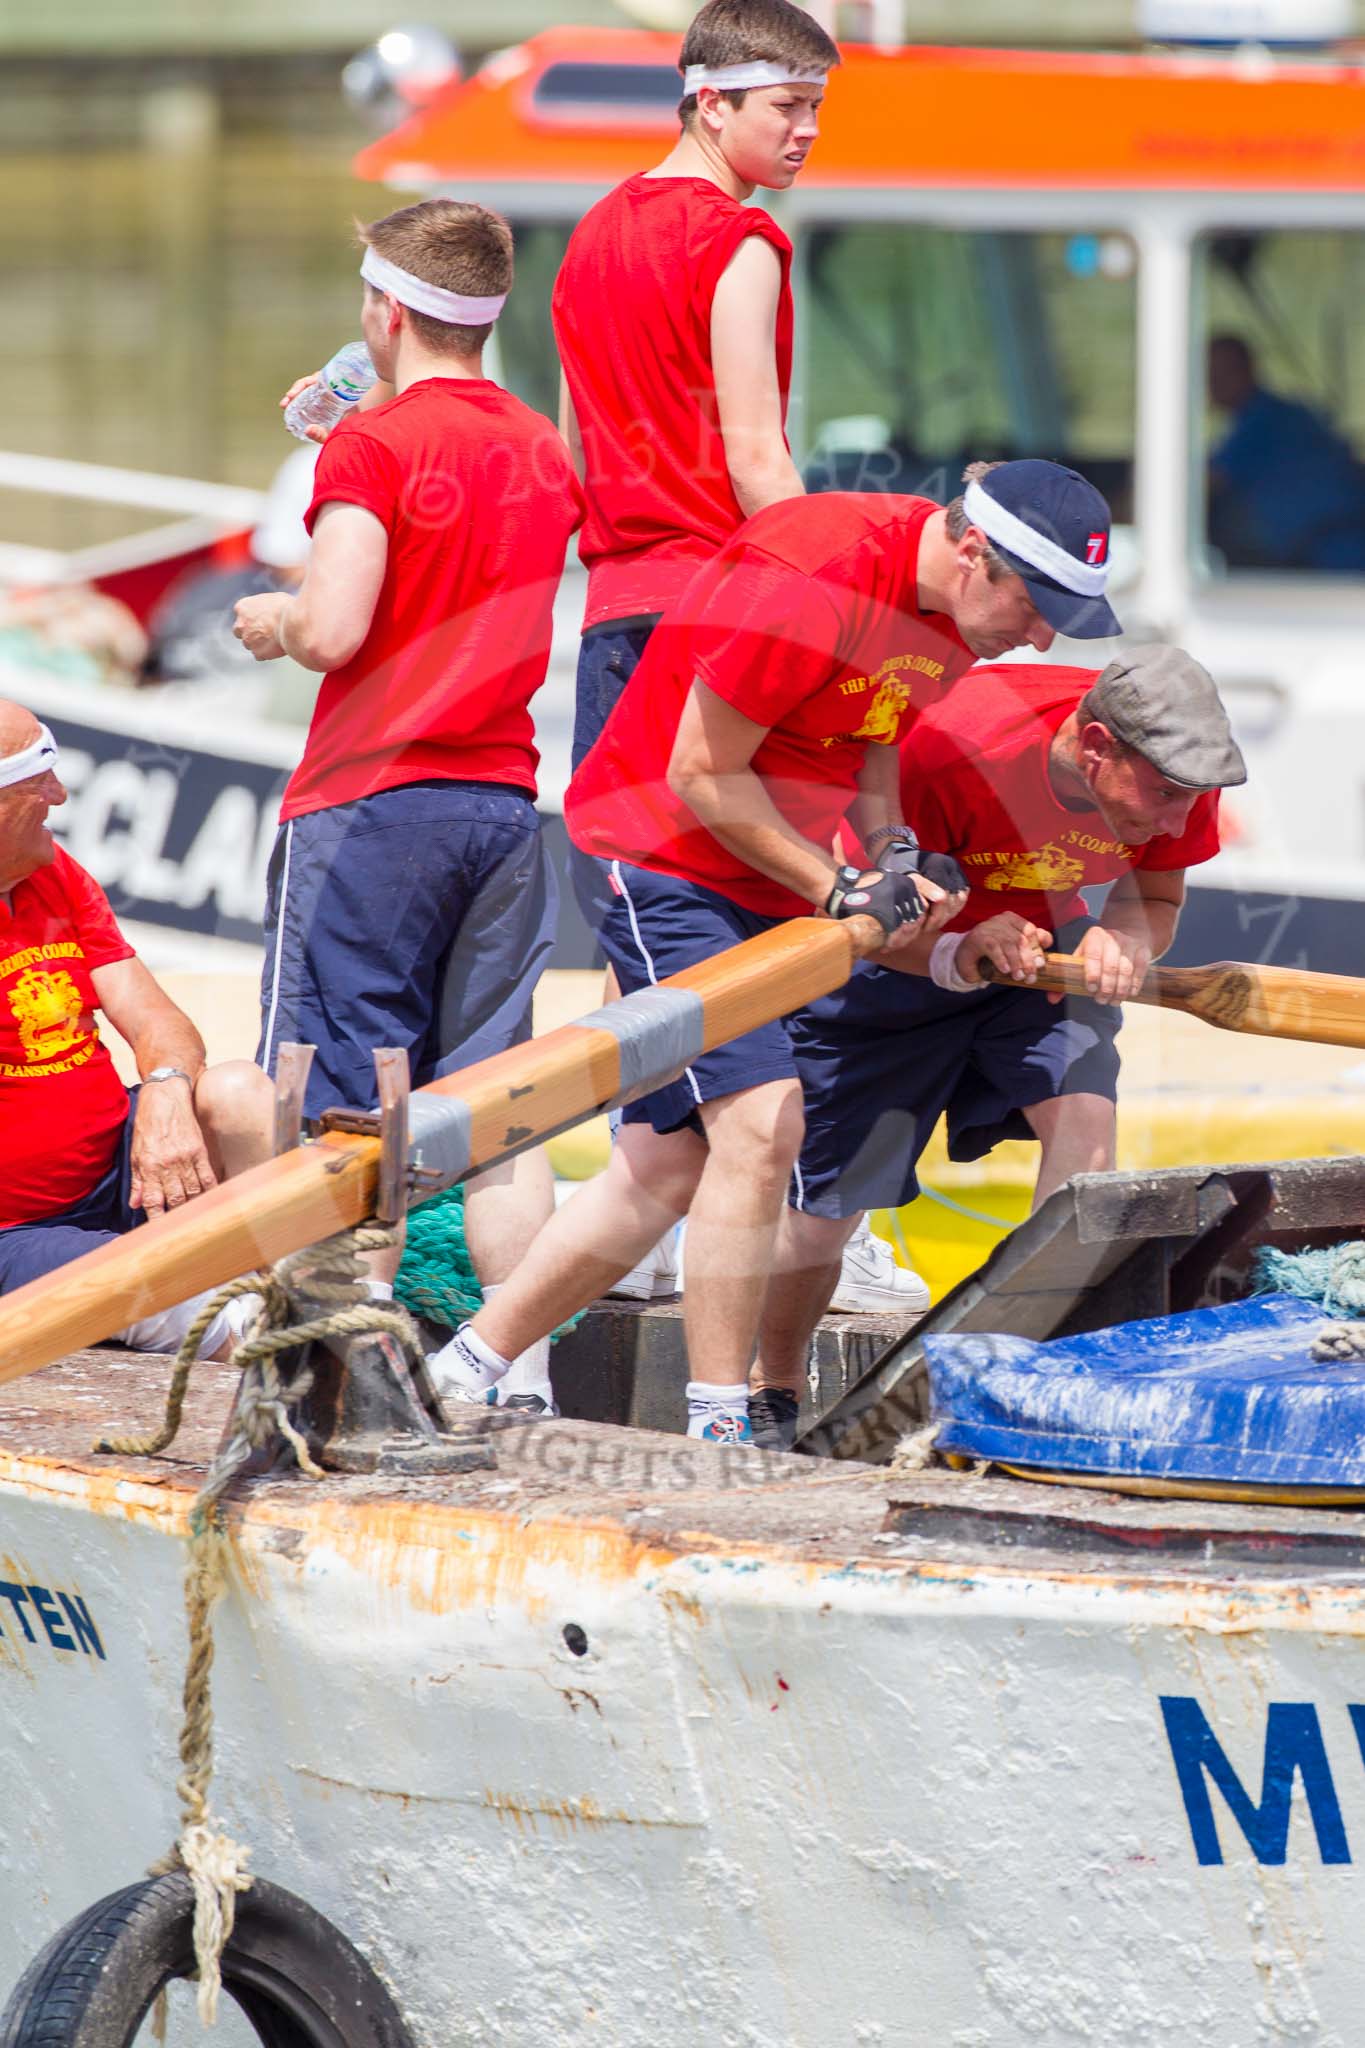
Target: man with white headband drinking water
<point>410,903</point>
<point>86,1160</point>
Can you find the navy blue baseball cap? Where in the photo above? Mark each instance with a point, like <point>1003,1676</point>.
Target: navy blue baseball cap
<point>1051,528</point>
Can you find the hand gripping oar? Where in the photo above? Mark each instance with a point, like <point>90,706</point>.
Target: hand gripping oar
<point>1234,995</point>
<point>459,1124</point>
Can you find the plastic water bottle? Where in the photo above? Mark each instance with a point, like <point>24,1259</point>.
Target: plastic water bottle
<point>347,377</point>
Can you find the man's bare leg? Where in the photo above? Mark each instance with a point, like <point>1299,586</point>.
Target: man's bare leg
<point>753,1139</point>
<point>599,1234</point>
<point>1078,1135</point>
<point>806,1265</point>
<point>505,1209</point>
<point>234,1103</point>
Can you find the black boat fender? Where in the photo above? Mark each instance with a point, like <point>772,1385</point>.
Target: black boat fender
<point>298,1980</point>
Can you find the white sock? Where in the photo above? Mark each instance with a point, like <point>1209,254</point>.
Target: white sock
<point>707,1404</point>
<point>529,1372</point>
<point>466,1367</point>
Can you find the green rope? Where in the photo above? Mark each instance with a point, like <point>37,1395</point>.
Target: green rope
<point>436,1278</point>
<point>1331,1275</point>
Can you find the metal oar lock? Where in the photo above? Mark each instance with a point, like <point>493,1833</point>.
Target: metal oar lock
<point>369,1408</point>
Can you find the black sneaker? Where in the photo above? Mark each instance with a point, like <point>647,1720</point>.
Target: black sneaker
<point>534,1405</point>
<point>772,1418</point>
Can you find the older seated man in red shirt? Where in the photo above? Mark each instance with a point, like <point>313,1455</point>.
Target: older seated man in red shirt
<point>85,1159</point>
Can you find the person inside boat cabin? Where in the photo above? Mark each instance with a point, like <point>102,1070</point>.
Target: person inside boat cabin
<point>85,1158</point>
<point>1042,781</point>
<point>672,313</point>
<point>765,711</point>
<point>410,902</point>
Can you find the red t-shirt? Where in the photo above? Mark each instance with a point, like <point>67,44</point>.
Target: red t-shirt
<point>806,622</point>
<point>62,1106</point>
<point>478,497</point>
<point>632,317</point>
<point>975,784</point>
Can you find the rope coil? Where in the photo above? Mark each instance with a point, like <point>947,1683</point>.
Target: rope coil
<point>312,1295</point>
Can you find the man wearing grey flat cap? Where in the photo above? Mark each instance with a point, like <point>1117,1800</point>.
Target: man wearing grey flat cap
<point>1041,781</point>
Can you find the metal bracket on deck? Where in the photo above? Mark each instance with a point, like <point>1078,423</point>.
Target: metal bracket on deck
<point>394,1084</point>
<point>292,1066</point>
<point>367,1409</point>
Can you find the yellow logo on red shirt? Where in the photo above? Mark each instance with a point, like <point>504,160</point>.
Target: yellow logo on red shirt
<point>890,691</point>
<point>47,1008</point>
<point>1044,870</point>
<point>882,720</point>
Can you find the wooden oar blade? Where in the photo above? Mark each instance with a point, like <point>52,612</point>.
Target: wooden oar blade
<point>471,1119</point>
<point>248,1222</point>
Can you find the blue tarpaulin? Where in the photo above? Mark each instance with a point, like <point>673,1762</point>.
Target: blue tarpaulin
<point>1226,1393</point>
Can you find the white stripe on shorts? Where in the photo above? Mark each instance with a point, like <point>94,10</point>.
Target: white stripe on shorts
<point>620,882</point>
<point>268,1043</point>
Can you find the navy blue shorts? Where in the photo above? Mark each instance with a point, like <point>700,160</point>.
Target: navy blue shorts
<point>420,917</point>
<point>29,1250</point>
<point>656,926</point>
<point>608,657</point>
<point>883,1058</point>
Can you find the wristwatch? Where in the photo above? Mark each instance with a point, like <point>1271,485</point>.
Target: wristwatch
<point>168,1074</point>
<point>845,879</point>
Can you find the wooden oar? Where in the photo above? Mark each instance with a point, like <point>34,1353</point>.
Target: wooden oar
<point>472,1119</point>
<point>1235,995</point>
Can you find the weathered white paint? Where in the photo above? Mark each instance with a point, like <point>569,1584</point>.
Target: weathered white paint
<point>779,1803</point>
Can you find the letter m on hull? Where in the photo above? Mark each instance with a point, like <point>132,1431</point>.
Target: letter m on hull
<point>1293,1748</point>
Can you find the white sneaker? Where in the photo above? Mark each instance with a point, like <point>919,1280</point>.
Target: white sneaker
<point>871,1283</point>
<point>656,1276</point>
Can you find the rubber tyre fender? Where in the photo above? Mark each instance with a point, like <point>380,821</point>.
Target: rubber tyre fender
<point>299,1981</point>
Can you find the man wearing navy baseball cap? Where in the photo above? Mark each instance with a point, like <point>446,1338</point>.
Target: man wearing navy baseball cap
<point>1049,527</point>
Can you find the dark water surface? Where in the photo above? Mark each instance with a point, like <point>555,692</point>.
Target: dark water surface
<point>173,251</point>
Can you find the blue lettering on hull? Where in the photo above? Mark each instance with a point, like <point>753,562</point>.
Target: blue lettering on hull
<point>1294,1749</point>
<point>63,1619</point>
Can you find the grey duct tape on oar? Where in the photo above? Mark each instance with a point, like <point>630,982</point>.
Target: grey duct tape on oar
<point>440,1136</point>
<point>659,1032</point>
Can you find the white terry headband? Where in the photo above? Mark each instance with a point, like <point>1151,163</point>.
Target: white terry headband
<point>742,77</point>
<point>420,297</point>
<point>999,524</point>
<point>34,759</point>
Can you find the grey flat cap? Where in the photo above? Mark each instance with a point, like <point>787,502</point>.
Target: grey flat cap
<point>1160,702</point>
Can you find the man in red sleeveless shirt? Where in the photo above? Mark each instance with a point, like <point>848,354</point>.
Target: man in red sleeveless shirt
<point>673,316</point>
<point>1042,781</point>
<point>410,900</point>
<point>766,711</point>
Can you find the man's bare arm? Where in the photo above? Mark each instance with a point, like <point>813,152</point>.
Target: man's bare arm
<point>170,1162</point>
<point>326,622</point>
<point>710,771</point>
<point>744,364</point>
<point>878,802</point>
<point>1145,904</point>
<point>1136,927</point>
<point>569,428</point>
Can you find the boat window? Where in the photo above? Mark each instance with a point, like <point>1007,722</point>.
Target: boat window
<point>528,363</point>
<point>927,348</point>
<point>1279,411</point>
<point>568,90</point>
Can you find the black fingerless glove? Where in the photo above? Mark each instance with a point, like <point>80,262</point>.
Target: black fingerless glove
<point>860,892</point>
<point>904,855</point>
